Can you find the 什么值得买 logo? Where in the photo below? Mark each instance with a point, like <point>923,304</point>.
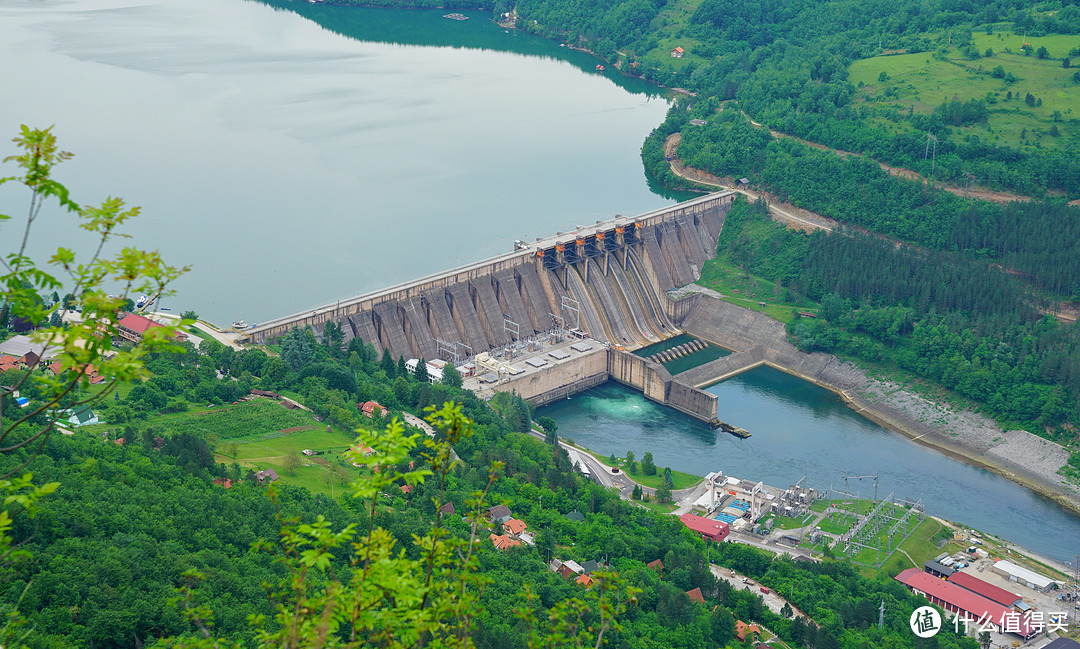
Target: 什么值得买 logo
<point>925,622</point>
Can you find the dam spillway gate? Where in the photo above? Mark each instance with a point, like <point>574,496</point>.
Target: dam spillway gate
<point>607,281</point>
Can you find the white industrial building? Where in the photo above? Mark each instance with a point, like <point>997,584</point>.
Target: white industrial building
<point>1022,575</point>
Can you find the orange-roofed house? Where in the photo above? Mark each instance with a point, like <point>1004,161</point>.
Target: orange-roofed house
<point>8,363</point>
<point>585,580</point>
<point>369,408</point>
<point>696,596</point>
<point>656,565</point>
<point>502,542</point>
<point>742,628</point>
<point>514,526</point>
<point>677,53</point>
<point>133,326</point>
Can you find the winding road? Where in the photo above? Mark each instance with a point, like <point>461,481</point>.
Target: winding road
<point>807,221</point>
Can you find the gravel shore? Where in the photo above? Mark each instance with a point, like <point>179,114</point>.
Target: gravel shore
<point>1016,454</point>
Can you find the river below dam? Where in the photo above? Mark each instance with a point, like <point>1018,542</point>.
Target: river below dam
<point>799,429</point>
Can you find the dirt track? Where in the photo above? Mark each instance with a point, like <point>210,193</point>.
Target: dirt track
<point>794,217</point>
<point>972,191</point>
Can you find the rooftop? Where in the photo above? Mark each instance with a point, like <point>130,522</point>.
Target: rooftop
<point>1023,573</point>
<point>987,590</point>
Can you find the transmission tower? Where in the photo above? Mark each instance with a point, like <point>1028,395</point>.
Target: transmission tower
<point>933,159</point>
<point>860,477</point>
<point>1076,584</point>
<point>967,189</point>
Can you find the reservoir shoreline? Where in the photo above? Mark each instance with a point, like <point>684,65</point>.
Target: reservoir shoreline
<point>1019,456</point>
<point>908,427</point>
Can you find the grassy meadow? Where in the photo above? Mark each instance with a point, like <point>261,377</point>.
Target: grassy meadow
<point>921,82</point>
<point>668,23</point>
<point>261,434</point>
<point>749,291</point>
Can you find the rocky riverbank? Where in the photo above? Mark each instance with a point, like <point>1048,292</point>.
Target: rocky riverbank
<point>1015,454</point>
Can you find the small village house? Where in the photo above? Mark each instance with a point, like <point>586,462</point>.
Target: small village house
<point>514,527</point>
<point>503,542</point>
<point>83,416</point>
<point>369,408</point>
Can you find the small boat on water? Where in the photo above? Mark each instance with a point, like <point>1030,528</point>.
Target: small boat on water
<point>142,301</point>
<point>239,324</point>
<point>599,68</point>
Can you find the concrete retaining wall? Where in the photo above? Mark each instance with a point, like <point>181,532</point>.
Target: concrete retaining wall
<point>694,402</point>
<point>565,391</point>
<point>656,383</point>
<point>724,367</point>
<point>679,310</point>
<point>763,339</point>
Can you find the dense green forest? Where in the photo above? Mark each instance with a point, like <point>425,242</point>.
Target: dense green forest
<point>109,547</point>
<point>962,322</point>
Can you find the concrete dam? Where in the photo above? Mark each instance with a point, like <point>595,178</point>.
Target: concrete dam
<point>606,281</point>
<point>553,317</point>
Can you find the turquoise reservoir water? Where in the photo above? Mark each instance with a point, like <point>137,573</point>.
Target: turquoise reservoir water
<point>801,429</point>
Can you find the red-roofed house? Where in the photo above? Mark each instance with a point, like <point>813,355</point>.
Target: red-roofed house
<point>502,542</point>
<point>406,489</point>
<point>514,526</point>
<point>696,596</point>
<point>133,326</point>
<point>707,527</point>
<point>677,53</point>
<point>656,565</point>
<point>368,408</point>
<point>57,368</point>
<point>585,580</point>
<point>8,362</point>
<point>742,628</point>
<point>987,590</point>
<point>957,599</point>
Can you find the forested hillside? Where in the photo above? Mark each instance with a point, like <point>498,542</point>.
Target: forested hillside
<point>962,322</point>
<point>134,513</point>
<point>787,63</point>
